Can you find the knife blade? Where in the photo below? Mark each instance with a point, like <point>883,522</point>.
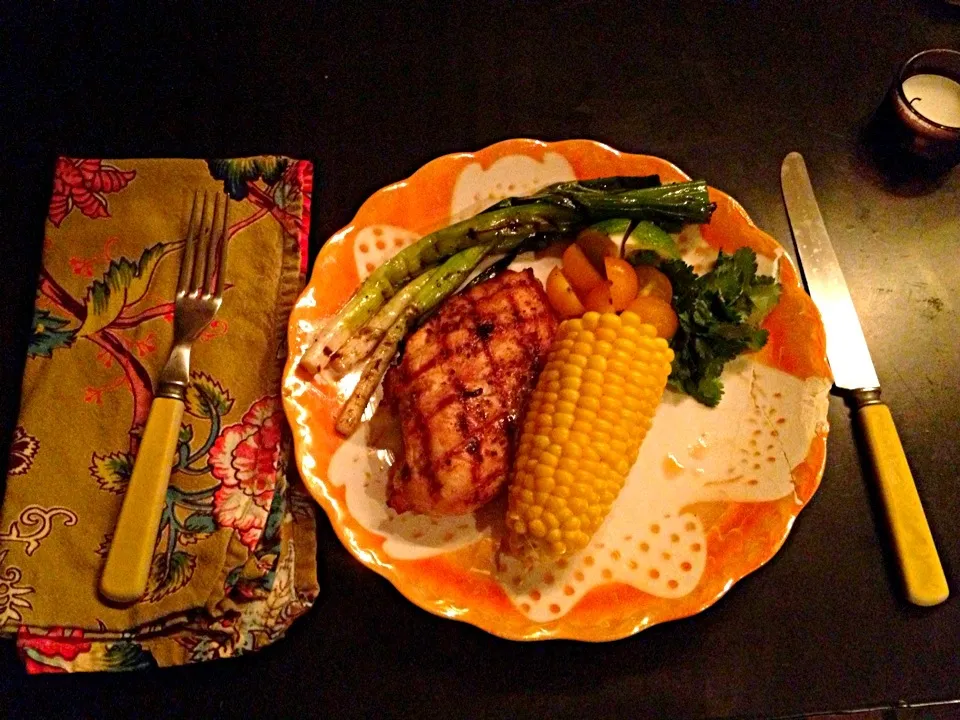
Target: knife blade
<point>853,371</point>
<point>846,347</point>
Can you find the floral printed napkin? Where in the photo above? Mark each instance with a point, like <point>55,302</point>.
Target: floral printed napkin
<point>235,558</point>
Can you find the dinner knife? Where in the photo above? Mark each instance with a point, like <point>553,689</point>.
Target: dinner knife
<point>853,372</point>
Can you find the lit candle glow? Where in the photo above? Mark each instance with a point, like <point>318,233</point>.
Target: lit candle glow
<point>935,97</point>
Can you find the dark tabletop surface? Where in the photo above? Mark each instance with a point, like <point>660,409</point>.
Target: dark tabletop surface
<point>370,93</point>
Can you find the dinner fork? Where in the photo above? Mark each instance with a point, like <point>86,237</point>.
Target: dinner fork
<point>199,296</point>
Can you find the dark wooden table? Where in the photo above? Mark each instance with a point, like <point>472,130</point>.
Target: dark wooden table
<point>370,93</point>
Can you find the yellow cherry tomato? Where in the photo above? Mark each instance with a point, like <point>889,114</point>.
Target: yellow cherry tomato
<point>599,299</point>
<point>623,282</point>
<point>651,281</point>
<point>562,296</point>
<point>580,271</point>
<point>655,311</point>
<point>597,246</point>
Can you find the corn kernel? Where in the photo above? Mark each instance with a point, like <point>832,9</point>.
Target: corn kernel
<point>591,467</point>
<point>590,453</point>
<point>545,483</point>
<point>610,416</point>
<point>596,363</point>
<point>591,390</point>
<point>606,334</point>
<point>562,420</point>
<point>592,376</point>
<point>590,321</point>
<point>581,436</point>
<point>603,428</point>
<point>548,459</point>
<point>611,321</point>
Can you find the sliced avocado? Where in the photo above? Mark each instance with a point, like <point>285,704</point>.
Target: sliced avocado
<point>649,239</point>
<point>612,226</point>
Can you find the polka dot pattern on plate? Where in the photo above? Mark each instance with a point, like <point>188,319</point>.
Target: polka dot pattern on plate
<point>665,558</point>
<point>375,244</point>
<point>514,175</point>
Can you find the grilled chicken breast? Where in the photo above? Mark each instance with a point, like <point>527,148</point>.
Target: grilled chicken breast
<point>464,380</point>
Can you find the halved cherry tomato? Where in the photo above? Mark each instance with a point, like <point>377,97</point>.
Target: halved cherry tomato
<point>656,312</point>
<point>651,281</point>
<point>597,246</point>
<point>562,296</point>
<point>579,271</point>
<point>599,299</point>
<point>623,281</point>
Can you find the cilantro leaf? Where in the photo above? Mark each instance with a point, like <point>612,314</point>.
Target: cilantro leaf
<point>719,316</point>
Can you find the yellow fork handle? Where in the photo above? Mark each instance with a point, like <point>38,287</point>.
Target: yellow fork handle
<point>125,574</point>
<point>923,576</point>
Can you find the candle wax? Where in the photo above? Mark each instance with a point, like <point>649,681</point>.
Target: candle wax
<point>935,97</point>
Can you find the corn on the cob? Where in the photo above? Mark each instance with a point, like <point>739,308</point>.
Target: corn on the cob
<point>592,407</point>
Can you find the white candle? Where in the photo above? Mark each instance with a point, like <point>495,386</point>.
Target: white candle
<point>935,97</point>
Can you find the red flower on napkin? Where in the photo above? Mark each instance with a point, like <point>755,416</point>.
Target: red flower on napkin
<point>58,642</point>
<point>83,184</point>
<point>246,459</point>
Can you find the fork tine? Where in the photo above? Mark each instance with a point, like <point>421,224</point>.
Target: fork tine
<point>186,262</point>
<point>214,249</point>
<point>222,250</point>
<point>199,250</point>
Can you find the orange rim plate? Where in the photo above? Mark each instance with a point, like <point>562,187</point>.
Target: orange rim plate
<point>462,583</point>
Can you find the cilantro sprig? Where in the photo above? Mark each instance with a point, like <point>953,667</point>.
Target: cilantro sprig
<point>720,315</point>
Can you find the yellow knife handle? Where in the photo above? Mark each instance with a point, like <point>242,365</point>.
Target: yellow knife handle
<point>923,576</point>
<point>125,574</point>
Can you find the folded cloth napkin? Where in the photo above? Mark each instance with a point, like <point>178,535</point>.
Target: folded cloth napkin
<point>235,557</point>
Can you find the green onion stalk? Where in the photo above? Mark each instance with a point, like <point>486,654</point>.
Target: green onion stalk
<point>366,339</point>
<point>442,283</point>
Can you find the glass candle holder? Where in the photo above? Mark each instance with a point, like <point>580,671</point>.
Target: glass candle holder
<point>918,124</point>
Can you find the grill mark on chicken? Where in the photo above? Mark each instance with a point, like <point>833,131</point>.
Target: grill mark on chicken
<point>483,330</point>
<point>459,388</point>
<point>433,478</point>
